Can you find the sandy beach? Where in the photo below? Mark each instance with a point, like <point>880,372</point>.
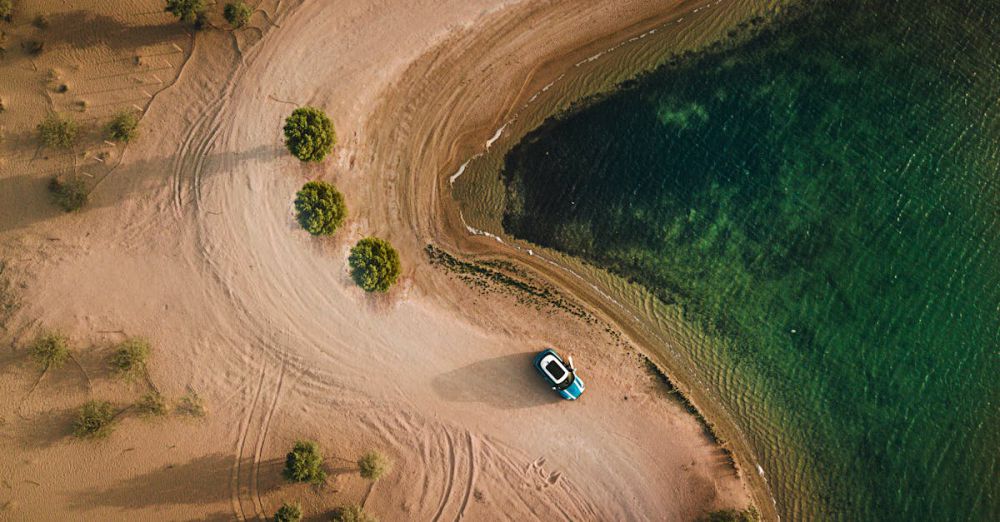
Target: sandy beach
<point>190,241</point>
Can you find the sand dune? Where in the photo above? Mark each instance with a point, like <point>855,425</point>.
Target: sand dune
<point>190,241</point>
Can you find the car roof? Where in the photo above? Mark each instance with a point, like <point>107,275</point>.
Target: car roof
<point>550,358</point>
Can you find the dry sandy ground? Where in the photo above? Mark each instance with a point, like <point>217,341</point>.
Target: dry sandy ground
<point>190,241</point>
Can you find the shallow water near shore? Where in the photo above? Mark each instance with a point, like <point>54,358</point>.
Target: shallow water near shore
<point>823,201</point>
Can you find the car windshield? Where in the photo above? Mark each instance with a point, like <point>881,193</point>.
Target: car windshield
<point>557,371</point>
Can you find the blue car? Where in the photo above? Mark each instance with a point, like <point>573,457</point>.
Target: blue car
<point>560,376</point>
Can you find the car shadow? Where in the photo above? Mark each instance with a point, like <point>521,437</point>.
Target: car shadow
<point>506,382</point>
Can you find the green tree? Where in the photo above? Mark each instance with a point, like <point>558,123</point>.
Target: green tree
<point>237,13</point>
<point>373,465</point>
<point>50,350</point>
<point>124,126</point>
<point>58,131</point>
<point>129,359</point>
<point>352,513</point>
<point>69,194</point>
<point>320,208</point>
<point>94,420</point>
<point>188,11</point>
<point>309,134</point>
<point>304,463</point>
<point>288,513</point>
<point>374,264</point>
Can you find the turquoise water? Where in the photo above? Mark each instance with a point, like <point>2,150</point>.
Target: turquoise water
<point>824,201</point>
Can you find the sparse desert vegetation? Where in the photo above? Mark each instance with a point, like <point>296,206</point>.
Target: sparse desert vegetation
<point>69,194</point>
<point>124,127</point>
<point>151,404</point>
<point>288,513</point>
<point>50,350</point>
<point>187,11</point>
<point>191,404</point>
<point>129,360</point>
<point>6,10</point>
<point>352,513</point>
<point>237,13</point>
<point>373,465</point>
<point>58,131</point>
<point>309,134</point>
<point>731,515</point>
<point>374,264</point>
<point>320,208</point>
<point>304,463</point>
<point>94,420</point>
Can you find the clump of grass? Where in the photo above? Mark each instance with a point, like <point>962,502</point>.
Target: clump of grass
<point>6,10</point>
<point>58,131</point>
<point>352,513</point>
<point>373,465</point>
<point>237,14</point>
<point>124,127</point>
<point>304,463</point>
<point>191,404</point>
<point>129,359</point>
<point>41,21</point>
<point>51,350</point>
<point>70,195</point>
<point>33,47</point>
<point>151,404</point>
<point>288,513</point>
<point>94,421</point>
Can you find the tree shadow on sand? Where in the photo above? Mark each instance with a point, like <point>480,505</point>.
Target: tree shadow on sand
<point>506,382</point>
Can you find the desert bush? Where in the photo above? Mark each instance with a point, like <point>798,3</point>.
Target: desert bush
<point>129,359</point>
<point>374,264</point>
<point>94,420</point>
<point>33,47</point>
<point>124,126</point>
<point>41,21</point>
<point>352,513</point>
<point>151,404</point>
<point>6,9</point>
<point>731,515</point>
<point>50,350</point>
<point>309,134</point>
<point>58,131</point>
<point>304,463</point>
<point>188,11</point>
<point>237,13</point>
<point>373,465</point>
<point>191,404</point>
<point>288,513</point>
<point>320,208</point>
<point>69,194</point>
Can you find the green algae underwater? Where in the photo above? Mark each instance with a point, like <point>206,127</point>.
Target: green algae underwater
<point>823,201</point>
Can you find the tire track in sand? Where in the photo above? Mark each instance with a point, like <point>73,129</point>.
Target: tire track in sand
<point>244,489</point>
<point>449,486</point>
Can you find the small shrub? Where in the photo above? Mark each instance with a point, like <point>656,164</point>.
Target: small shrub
<point>33,47</point>
<point>187,11</point>
<point>94,421</point>
<point>373,465</point>
<point>70,195</point>
<point>41,21</point>
<point>124,126</point>
<point>191,404</point>
<point>352,513</point>
<point>6,9</point>
<point>237,14</point>
<point>374,264</point>
<point>129,359</point>
<point>288,513</point>
<point>58,131</point>
<point>151,405</point>
<point>304,463</point>
<point>320,208</point>
<point>309,134</point>
<point>50,350</point>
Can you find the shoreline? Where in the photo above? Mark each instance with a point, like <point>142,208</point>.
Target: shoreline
<point>475,243</point>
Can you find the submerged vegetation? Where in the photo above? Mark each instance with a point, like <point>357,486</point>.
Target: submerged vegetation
<point>320,208</point>
<point>374,264</point>
<point>309,134</point>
